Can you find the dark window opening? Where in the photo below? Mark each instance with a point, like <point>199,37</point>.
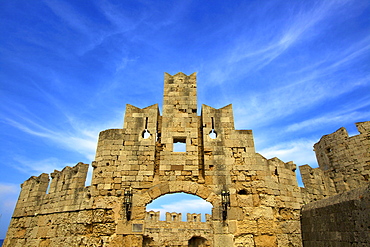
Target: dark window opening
<point>242,192</point>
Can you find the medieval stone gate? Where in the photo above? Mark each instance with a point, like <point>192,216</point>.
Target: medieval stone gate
<point>256,201</point>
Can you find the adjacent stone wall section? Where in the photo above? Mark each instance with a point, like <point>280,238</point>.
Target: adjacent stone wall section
<point>344,163</point>
<point>341,220</point>
<point>175,232</point>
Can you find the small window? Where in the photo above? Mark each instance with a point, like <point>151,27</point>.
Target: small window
<point>146,134</point>
<point>179,144</point>
<point>242,192</point>
<point>213,134</point>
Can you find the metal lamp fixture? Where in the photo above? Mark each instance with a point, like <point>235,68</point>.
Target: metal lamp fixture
<point>128,203</point>
<point>225,200</point>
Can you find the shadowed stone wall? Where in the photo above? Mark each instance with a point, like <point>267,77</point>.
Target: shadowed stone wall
<point>341,220</point>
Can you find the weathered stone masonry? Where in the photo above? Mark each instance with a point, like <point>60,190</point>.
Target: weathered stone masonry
<point>256,201</point>
<point>339,191</point>
<point>344,163</point>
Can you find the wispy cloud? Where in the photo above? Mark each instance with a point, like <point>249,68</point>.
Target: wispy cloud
<point>48,165</point>
<point>7,188</point>
<point>253,52</point>
<point>353,52</point>
<point>336,117</point>
<point>119,18</point>
<point>300,151</point>
<point>68,15</point>
<point>8,198</point>
<point>82,141</point>
<point>279,102</point>
<point>36,167</point>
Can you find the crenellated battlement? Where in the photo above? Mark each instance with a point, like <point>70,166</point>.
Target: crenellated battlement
<point>66,192</point>
<point>152,216</point>
<point>343,163</point>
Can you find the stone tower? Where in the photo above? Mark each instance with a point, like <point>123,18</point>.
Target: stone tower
<point>256,201</point>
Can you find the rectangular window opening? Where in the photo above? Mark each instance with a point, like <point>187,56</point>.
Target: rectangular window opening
<point>179,144</point>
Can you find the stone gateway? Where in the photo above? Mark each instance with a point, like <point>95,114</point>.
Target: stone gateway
<point>256,201</point>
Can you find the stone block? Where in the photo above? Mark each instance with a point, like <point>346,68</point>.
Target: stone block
<point>265,241</point>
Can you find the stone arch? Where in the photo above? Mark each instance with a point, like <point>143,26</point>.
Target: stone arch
<point>147,196</point>
<point>198,241</point>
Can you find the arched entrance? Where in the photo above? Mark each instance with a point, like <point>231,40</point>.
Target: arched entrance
<point>198,242</point>
<point>180,203</point>
<point>173,229</point>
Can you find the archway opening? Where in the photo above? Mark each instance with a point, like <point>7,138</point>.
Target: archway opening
<point>197,242</point>
<point>180,203</point>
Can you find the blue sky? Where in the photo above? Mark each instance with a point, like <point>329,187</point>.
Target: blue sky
<point>293,70</point>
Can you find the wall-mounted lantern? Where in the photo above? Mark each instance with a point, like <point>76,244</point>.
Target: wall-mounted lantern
<point>225,200</point>
<point>128,203</point>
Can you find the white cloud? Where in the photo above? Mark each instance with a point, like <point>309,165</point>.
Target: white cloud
<point>251,53</point>
<point>343,115</point>
<point>81,141</point>
<point>68,15</point>
<point>7,188</point>
<point>299,151</point>
<point>8,198</point>
<point>36,167</point>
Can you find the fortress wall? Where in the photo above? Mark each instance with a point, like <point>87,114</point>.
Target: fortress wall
<point>66,193</point>
<point>65,216</point>
<point>33,190</point>
<point>125,157</point>
<point>74,228</point>
<point>180,124</point>
<point>270,199</point>
<point>262,209</point>
<point>175,232</point>
<point>341,220</point>
<point>217,151</point>
<point>344,163</point>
